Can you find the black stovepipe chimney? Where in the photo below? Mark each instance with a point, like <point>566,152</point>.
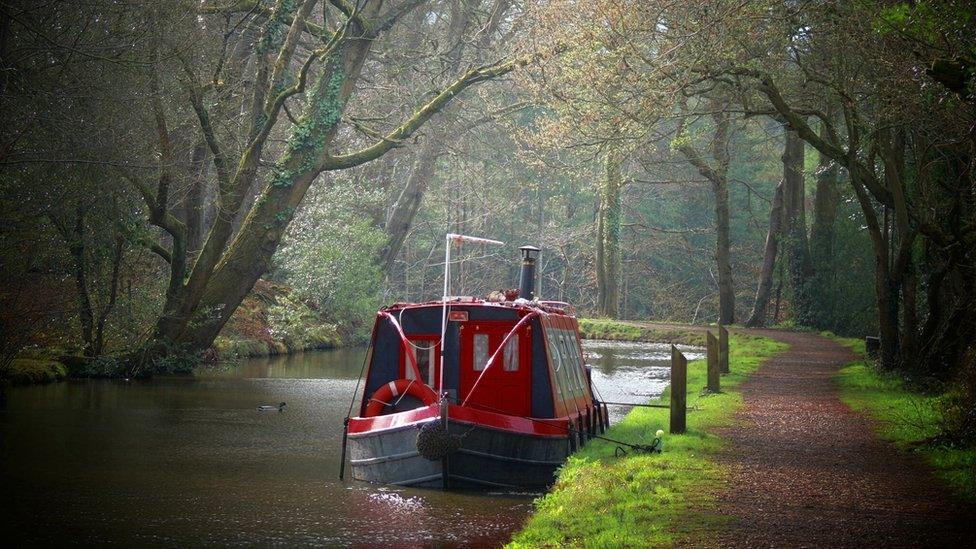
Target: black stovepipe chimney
<point>527,276</point>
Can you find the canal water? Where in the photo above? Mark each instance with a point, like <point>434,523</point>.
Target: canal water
<point>191,461</point>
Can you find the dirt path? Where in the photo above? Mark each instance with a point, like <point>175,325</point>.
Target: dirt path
<point>807,471</point>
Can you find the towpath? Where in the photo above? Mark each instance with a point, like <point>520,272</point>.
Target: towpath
<point>806,471</point>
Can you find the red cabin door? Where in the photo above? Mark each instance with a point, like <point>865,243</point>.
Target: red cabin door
<point>507,385</point>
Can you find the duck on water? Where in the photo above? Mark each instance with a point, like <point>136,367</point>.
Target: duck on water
<point>466,392</point>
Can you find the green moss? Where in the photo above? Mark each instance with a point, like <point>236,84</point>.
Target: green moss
<point>276,28</point>
<point>308,137</point>
<point>26,371</point>
<point>909,419</point>
<point>616,330</point>
<point>600,500</point>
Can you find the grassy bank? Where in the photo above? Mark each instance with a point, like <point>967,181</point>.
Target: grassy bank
<point>273,320</point>
<point>617,330</point>
<point>25,371</point>
<point>911,420</point>
<point>600,500</point>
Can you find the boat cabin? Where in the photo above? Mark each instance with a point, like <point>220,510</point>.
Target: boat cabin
<point>473,392</point>
<point>538,374</point>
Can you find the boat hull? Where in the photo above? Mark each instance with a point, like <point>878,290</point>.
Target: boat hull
<point>488,457</point>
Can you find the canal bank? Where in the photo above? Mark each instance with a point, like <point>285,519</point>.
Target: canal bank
<point>273,320</point>
<point>605,498</point>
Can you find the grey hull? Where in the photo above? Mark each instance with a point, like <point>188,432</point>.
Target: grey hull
<point>487,458</point>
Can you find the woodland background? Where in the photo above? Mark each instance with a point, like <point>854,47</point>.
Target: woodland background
<point>181,179</point>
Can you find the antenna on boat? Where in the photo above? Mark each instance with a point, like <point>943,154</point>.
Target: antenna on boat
<point>456,239</point>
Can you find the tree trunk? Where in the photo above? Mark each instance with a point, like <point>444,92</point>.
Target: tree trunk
<point>718,176</point>
<point>886,291</point>
<point>909,331</point>
<point>822,241</point>
<point>407,205</point>
<point>75,238</point>
<point>601,271</point>
<point>720,188</point>
<point>794,196</point>
<point>193,206</point>
<point>726,291</point>
<point>758,316</point>
<point>113,293</point>
<point>609,235</point>
<point>249,255</point>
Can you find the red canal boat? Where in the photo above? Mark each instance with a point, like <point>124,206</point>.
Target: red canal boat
<point>465,392</point>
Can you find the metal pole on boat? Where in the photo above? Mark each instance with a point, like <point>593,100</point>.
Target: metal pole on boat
<point>345,438</point>
<point>447,278</point>
<point>445,461</point>
<point>456,239</point>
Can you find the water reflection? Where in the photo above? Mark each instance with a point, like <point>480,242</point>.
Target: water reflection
<point>183,460</point>
<point>631,372</point>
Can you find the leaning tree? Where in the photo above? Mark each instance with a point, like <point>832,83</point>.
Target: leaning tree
<point>291,57</point>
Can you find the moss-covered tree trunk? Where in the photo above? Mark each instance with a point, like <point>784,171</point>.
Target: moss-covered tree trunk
<point>249,255</point>
<point>608,238</point>
<point>202,298</point>
<point>795,228</point>
<point>825,206</point>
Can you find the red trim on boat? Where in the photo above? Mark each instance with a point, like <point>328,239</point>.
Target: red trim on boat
<point>392,421</point>
<point>555,427</point>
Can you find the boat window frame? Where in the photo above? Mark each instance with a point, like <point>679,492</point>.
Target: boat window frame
<point>555,361</point>
<point>512,350</point>
<point>430,343</point>
<point>573,345</point>
<point>567,364</point>
<point>476,364</point>
<point>573,379</point>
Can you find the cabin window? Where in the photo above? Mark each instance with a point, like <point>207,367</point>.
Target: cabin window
<point>480,351</point>
<point>565,366</point>
<point>572,380</point>
<point>512,354</point>
<point>573,350</point>
<point>424,358</point>
<point>554,357</point>
<point>581,371</point>
<point>423,352</point>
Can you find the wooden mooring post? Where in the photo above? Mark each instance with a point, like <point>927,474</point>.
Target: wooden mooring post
<point>723,349</point>
<point>679,390</point>
<point>711,351</point>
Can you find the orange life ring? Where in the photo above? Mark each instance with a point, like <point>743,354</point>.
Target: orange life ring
<point>392,391</point>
